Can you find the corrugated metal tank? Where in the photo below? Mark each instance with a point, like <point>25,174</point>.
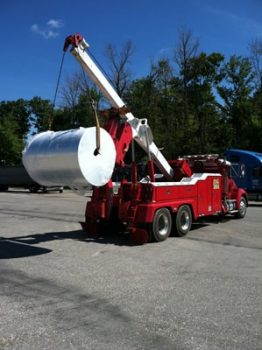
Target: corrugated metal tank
<point>67,158</point>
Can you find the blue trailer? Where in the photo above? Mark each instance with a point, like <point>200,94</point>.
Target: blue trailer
<point>246,170</point>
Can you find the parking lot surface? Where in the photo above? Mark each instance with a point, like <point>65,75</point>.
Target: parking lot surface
<point>60,289</point>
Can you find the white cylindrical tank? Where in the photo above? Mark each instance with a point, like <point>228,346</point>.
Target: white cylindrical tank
<point>67,158</point>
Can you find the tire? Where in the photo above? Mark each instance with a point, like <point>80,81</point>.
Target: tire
<point>183,220</point>
<point>242,208</point>
<point>161,226</point>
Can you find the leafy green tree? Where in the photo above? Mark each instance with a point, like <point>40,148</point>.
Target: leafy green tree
<point>186,49</point>
<point>11,145</point>
<point>19,112</point>
<point>163,119</point>
<point>203,76</point>
<point>41,113</point>
<point>161,97</point>
<point>255,133</point>
<point>236,107</point>
<point>80,115</point>
<point>14,127</point>
<point>255,47</point>
<point>142,99</point>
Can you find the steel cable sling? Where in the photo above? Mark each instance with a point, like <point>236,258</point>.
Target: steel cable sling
<point>92,103</point>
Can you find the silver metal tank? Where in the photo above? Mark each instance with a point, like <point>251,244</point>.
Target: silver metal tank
<point>67,158</point>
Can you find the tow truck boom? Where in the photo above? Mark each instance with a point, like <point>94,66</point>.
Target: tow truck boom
<point>141,131</point>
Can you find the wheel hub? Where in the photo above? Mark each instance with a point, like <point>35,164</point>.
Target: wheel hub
<point>163,225</point>
<point>185,221</point>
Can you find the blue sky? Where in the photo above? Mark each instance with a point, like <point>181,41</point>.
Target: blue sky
<point>33,33</point>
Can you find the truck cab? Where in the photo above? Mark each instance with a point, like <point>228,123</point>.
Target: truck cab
<point>246,170</point>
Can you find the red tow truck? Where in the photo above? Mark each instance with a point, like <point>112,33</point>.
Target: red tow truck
<point>173,193</point>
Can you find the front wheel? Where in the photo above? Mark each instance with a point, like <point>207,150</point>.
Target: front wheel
<point>242,208</point>
<point>183,220</point>
<point>162,225</point>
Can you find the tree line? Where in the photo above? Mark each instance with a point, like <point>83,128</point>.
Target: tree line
<point>195,102</point>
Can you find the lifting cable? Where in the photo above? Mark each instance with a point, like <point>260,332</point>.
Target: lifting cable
<point>92,102</point>
<point>51,117</point>
<point>96,152</point>
<point>94,107</point>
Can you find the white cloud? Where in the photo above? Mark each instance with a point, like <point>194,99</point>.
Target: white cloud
<point>50,30</point>
<point>35,28</point>
<point>55,23</point>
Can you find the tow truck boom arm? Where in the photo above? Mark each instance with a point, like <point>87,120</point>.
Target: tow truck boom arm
<point>140,129</point>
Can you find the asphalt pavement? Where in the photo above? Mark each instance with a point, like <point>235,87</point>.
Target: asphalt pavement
<point>60,289</point>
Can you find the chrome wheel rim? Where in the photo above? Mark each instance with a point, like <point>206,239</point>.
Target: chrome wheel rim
<point>185,221</point>
<point>163,225</point>
<point>242,207</point>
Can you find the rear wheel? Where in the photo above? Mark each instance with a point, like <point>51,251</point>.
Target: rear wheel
<point>242,208</point>
<point>162,225</point>
<point>183,220</point>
